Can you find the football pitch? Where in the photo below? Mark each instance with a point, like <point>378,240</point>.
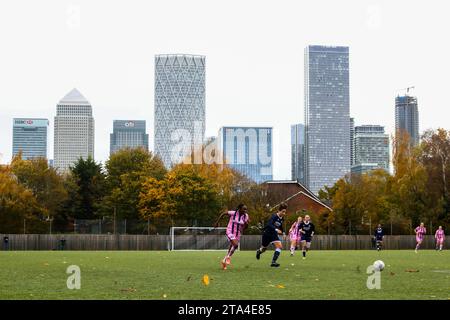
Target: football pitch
<point>179,275</point>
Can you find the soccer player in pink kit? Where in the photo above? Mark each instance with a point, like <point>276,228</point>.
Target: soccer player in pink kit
<point>294,235</point>
<point>420,232</point>
<point>238,222</point>
<point>440,238</point>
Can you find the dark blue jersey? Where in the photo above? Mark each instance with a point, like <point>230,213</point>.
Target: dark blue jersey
<point>379,233</point>
<point>308,228</point>
<point>275,222</point>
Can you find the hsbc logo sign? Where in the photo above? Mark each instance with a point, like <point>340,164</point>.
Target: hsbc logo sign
<point>30,122</point>
<point>27,122</point>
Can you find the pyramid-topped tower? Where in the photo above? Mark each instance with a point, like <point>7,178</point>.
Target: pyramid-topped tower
<point>74,130</point>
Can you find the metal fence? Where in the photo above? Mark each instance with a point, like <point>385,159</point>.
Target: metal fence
<point>163,242</point>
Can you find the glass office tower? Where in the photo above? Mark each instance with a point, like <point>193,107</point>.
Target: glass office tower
<point>327,116</point>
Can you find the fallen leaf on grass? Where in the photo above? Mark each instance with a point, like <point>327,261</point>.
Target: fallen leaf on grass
<point>205,280</point>
<point>280,286</point>
<point>392,274</point>
<point>189,278</point>
<point>128,290</point>
<point>411,270</point>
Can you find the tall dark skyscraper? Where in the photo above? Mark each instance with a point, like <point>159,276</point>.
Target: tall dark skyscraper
<point>298,153</point>
<point>327,116</point>
<point>407,117</point>
<point>128,134</point>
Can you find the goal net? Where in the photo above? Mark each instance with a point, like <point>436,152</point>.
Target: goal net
<point>198,238</point>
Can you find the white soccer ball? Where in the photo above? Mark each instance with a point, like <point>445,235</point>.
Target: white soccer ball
<point>378,265</point>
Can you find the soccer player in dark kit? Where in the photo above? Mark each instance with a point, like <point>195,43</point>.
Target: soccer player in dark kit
<point>379,235</point>
<point>306,229</point>
<point>271,234</point>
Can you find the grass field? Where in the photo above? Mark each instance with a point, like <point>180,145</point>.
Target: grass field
<point>178,275</point>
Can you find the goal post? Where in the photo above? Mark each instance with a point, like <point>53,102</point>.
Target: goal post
<point>198,238</point>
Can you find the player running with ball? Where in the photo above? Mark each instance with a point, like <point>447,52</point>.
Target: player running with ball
<point>306,229</point>
<point>272,232</point>
<point>440,238</point>
<point>238,222</point>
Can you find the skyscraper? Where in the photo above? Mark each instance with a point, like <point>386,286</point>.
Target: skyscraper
<point>30,137</point>
<point>371,148</point>
<point>74,130</point>
<point>248,150</point>
<point>298,152</point>
<point>327,116</point>
<point>128,133</point>
<point>407,117</point>
<point>179,106</point>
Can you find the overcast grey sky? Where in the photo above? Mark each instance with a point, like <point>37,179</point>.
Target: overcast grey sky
<point>254,60</point>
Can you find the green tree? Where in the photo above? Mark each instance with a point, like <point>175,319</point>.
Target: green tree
<point>127,169</point>
<point>86,189</point>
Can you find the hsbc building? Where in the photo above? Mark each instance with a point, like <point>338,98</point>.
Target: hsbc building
<point>30,137</point>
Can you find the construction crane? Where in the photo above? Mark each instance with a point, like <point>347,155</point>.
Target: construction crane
<point>407,89</point>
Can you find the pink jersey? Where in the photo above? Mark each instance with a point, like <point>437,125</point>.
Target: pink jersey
<point>236,224</point>
<point>420,231</point>
<point>440,235</point>
<point>293,232</point>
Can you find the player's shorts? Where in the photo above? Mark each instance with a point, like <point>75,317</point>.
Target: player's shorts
<point>232,236</point>
<point>269,238</point>
<point>419,239</point>
<point>294,237</point>
<point>440,241</point>
<point>306,238</point>
<point>379,239</point>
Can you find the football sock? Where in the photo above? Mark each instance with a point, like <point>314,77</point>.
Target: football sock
<point>231,251</point>
<point>276,254</point>
<point>262,249</point>
<point>292,250</point>
<point>304,253</point>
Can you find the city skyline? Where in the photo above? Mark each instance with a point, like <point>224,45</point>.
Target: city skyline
<point>255,71</point>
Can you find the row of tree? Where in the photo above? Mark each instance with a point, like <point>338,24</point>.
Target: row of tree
<point>418,191</point>
<point>133,184</point>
